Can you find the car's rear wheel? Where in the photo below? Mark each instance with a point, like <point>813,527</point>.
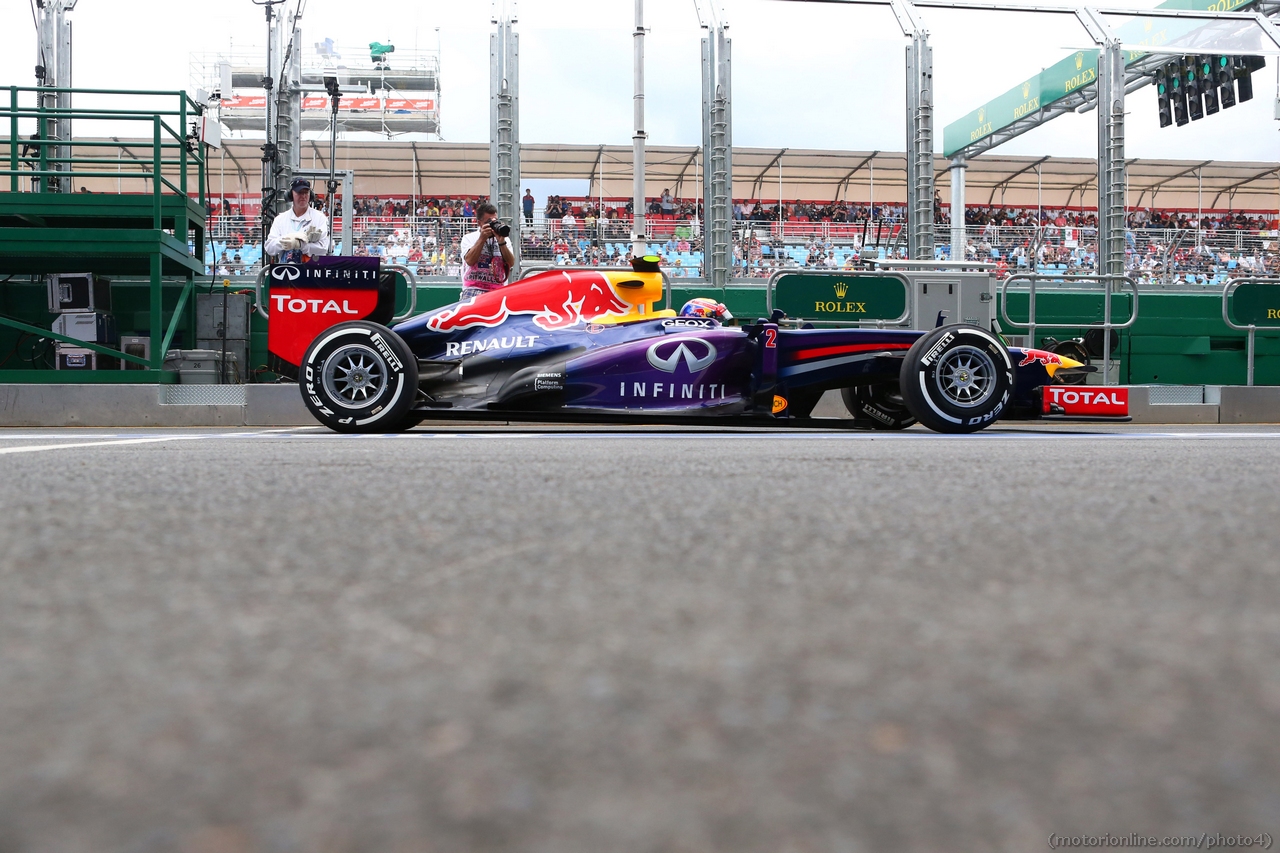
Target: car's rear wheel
<point>957,379</point>
<point>359,377</point>
<point>878,406</point>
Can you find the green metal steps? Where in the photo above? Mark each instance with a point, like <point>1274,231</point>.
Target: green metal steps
<point>107,251</point>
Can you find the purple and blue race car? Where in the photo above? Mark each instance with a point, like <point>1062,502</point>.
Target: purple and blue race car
<point>576,345</point>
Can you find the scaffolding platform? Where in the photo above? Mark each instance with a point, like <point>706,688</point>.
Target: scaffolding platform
<point>156,233</point>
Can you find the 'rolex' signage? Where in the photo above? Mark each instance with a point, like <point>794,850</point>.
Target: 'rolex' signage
<point>1256,303</point>
<point>844,298</point>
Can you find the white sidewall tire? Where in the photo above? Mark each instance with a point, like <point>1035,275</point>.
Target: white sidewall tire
<point>921,391</point>
<point>396,362</point>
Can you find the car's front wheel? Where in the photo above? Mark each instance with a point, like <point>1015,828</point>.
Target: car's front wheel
<point>359,377</point>
<point>957,378</point>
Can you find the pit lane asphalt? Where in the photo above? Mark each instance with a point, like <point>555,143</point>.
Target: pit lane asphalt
<point>537,639</point>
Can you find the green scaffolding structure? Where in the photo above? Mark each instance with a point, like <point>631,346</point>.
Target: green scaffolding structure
<point>158,234</point>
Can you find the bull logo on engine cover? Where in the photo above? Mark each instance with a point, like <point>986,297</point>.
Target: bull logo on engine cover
<point>682,350</point>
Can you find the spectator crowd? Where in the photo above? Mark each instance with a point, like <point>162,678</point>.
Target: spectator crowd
<point>425,234</point>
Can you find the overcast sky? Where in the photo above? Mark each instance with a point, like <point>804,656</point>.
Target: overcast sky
<point>806,75</point>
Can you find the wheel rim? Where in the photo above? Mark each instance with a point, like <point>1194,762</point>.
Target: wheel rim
<point>885,398</point>
<point>354,376</point>
<point>966,377</point>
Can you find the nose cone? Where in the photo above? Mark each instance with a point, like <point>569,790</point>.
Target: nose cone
<point>1065,362</point>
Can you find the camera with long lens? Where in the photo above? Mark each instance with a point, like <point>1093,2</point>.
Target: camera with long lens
<point>502,229</point>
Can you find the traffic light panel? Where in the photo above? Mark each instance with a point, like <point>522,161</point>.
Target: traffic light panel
<point>1191,74</point>
<point>1189,88</point>
<point>1223,79</point>
<point>1244,66</point>
<point>1177,92</point>
<point>1207,83</point>
<point>1164,101</point>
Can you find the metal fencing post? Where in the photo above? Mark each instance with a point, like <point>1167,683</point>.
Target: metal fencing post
<point>1249,329</point>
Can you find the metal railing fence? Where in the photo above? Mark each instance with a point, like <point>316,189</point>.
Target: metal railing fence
<point>1108,325</point>
<point>1250,329</point>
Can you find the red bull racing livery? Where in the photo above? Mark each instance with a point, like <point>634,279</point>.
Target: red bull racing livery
<point>588,345</point>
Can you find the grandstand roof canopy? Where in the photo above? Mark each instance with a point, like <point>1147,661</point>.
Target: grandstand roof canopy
<point>453,169</point>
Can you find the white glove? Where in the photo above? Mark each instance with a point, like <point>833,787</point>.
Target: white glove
<point>296,240</point>
<point>314,234</point>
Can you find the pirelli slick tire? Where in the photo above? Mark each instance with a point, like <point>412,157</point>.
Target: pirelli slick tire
<point>957,379</point>
<point>877,406</point>
<point>359,377</point>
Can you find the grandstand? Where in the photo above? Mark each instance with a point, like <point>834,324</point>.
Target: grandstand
<point>1190,222</point>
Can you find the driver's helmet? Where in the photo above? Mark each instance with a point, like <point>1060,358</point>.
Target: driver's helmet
<point>703,307</point>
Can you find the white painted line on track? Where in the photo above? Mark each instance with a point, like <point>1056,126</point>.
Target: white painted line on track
<point>53,436</point>
<point>122,440</point>
<point>130,438</point>
<point>42,447</point>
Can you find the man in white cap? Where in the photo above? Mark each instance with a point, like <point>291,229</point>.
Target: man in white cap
<point>301,230</point>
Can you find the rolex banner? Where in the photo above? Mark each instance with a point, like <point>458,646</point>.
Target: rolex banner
<point>1256,303</point>
<point>842,299</point>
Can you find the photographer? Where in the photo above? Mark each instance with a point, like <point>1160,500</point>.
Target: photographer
<point>486,254</point>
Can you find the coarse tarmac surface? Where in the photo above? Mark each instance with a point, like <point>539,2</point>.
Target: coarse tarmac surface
<point>594,640</point>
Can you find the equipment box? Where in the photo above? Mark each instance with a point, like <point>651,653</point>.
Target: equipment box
<point>209,316</point>
<point>96,328</point>
<point>198,366</point>
<point>965,297</point>
<point>135,345</point>
<point>79,358</point>
<point>80,292</point>
<point>237,357</point>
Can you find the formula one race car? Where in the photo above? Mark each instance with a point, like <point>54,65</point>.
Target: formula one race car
<point>576,345</point>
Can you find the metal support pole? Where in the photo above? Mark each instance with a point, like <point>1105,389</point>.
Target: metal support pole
<point>53,71</point>
<point>348,211</point>
<point>639,239</point>
<point>289,110</point>
<point>920,179</point>
<point>1249,355</point>
<point>504,130</point>
<point>269,151</point>
<point>1111,184</point>
<point>717,143</point>
<point>708,193</point>
<point>331,187</point>
<point>724,57</point>
<point>958,167</point>
<point>63,125</point>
